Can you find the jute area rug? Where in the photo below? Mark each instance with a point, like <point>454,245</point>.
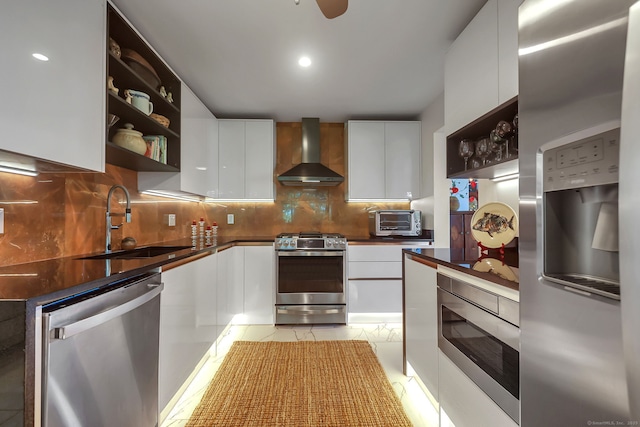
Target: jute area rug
<point>305,383</point>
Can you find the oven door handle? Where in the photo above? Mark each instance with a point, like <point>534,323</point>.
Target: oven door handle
<point>305,252</point>
<point>309,311</point>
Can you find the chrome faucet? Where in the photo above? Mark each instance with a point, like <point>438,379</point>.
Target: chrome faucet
<point>127,214</point>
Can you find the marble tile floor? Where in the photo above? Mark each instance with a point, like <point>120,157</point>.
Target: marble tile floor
<point>385,339</point>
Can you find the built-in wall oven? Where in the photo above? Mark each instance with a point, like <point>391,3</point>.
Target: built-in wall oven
<point>310,276</point>
<point>478,330</point>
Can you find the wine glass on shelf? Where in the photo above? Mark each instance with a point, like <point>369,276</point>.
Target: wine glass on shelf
<point>504,130</point>
<point>514,137</point>
<point>482,149</point>
<point>496,151</point>
<point>495,145</point>
<point>465,150</point>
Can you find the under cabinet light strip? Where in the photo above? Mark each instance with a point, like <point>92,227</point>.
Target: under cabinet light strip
<point>194,199</point>
<point>378,201</point>
<point>209,200</point>
<point>18,171</point>
<point>505,177</point>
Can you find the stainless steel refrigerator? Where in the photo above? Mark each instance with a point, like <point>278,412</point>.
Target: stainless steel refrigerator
<point>579,126</point>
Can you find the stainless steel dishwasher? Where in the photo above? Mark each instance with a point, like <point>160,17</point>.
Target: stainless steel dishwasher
<point>100,356</point>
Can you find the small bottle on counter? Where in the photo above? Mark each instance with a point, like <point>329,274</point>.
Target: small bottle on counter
<point>194,229</point>
<point>214,228</point>
<point>194,233</point>
<point>202,228</point>
<point>207,233</point>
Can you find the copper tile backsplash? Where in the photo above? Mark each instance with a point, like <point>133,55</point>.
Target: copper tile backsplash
<point>55,215</point>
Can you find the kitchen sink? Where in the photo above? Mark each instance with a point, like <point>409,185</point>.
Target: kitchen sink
<point>146,252</point>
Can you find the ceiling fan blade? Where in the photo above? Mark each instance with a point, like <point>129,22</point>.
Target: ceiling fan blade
<point>333,8</point>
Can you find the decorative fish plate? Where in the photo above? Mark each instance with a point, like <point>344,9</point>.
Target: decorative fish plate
<point>494,224</point>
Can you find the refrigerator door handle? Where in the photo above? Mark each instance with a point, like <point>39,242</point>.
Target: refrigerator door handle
<point>629,174</point>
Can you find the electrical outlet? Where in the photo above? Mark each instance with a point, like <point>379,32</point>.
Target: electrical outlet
<point>231,219</point>
<point>1,221</point>
<point>171,220</point>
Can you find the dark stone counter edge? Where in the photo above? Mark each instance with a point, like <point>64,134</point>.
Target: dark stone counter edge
<point>71,275</point>
<point>122,269</point>
<point>432,256</point>
<point>94,271</point>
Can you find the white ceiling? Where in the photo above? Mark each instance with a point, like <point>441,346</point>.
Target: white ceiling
<point>382,59</point>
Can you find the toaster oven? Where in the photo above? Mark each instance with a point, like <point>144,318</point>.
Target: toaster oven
<point>395,223</point>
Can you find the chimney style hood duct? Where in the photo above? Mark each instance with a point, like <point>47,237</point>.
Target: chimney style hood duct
<point>310,172</point>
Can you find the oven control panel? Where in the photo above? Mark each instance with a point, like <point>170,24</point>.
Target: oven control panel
<point>292,243</point>
<point>336,244</point>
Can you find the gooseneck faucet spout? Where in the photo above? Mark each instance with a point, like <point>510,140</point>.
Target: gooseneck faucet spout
<point>127,214</point>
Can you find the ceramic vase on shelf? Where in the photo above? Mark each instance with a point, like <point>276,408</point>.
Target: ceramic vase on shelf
<point>130,139</point>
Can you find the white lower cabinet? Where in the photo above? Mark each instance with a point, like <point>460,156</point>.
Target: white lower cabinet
<point>246,280</point>
<point>464,403</point>
<point>421,320</point>
<point>374,275</point>
<point>230,290</point>
<point>187,308</point>
<point>259,285</point>
<point>375,296</point>
<point>200,299</point>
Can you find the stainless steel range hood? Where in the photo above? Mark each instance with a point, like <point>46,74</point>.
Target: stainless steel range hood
<point>310,173</point>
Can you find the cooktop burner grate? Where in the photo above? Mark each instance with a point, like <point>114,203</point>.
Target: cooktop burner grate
<point>310,235</point>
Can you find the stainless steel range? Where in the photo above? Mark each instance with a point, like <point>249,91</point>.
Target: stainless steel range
<point>311,279</point>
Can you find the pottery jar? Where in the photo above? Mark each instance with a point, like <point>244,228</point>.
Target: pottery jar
<point>128,243</point>
<point>130,139</point>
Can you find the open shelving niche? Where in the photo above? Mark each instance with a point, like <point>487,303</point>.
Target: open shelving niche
<point>126,78</point>
<point>475,130</point>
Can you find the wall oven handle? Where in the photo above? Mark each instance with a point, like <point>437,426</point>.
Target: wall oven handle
<point>309,311</point>
<point>309,252</point>
<point>67,331</point>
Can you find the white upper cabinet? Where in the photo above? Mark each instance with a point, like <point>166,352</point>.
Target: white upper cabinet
<point>246,159</point>
<point>402,159</point>
<point>55,109</point>
<point>198,146</point>
<point>365,154</point>
<point>231,150</point>
<point>508,49</point>
<point>198,153</point>
<point>383,160</point>
<point>481,67</point>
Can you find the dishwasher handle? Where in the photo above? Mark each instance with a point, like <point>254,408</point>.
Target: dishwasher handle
<point>67,331</point>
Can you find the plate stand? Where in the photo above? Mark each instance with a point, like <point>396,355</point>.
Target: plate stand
<point>485,252</point>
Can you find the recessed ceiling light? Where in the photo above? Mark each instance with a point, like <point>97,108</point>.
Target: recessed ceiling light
<point>304,61</point>
<point>40,56</point>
